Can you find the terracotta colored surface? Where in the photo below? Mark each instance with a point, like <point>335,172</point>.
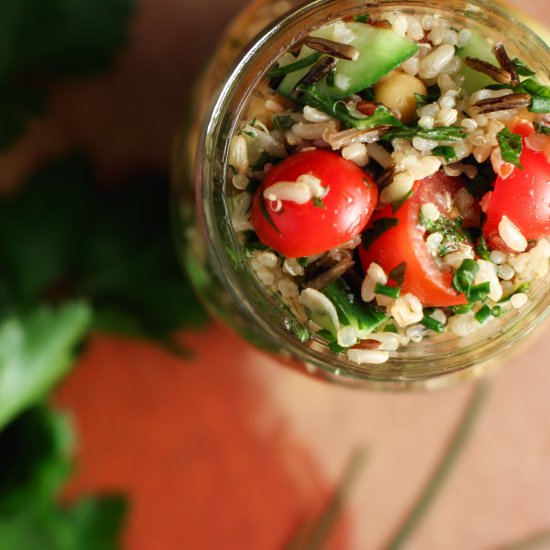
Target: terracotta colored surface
<point>228,450</point>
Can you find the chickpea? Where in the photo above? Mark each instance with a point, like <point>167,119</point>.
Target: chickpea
<point>396,92</point>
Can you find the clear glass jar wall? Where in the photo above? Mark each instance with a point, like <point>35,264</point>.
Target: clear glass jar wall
<point>210,249</point>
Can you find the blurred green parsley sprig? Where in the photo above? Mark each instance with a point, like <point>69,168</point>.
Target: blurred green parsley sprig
<point>35,461</point>
<point>44,40</point>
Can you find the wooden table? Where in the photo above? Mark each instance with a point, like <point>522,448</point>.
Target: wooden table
<point>230,451</point>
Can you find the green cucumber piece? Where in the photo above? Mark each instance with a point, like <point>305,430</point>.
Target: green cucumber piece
<point>380,52</point>
<point>480,48</point>
<point>291,80</point>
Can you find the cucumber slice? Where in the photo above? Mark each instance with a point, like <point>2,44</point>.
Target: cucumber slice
<point>380,52</point>
<point>477,47</point>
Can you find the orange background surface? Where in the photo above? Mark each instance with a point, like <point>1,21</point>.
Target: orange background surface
<point>230,451</point>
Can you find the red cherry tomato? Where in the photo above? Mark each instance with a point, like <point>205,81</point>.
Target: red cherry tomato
<point>424,278</point>
<point>523,196</point>
<point>305,229</point>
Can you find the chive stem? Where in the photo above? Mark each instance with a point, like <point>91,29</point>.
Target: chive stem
<point>483,314</point>
<point>386,290</point>
<point>443,469</point>
<point>293,67</point>
<point>433,324</point>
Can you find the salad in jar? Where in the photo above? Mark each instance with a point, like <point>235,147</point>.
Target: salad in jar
<point>390,182</point>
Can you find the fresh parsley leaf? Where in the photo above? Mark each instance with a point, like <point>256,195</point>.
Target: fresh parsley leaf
<point>310,95</point>
<point>48,40</point>
<point>35,451</point>
<point>445,151</point>
<point>36,350</point>
<point>539,92</point>
<point>19,104</point>
<point>378,228</point>
<point>63,238</point>
<point>442,133</point>
<point>434,93</point>
<point>482,250</point>
<point>510,146</point>
<point>318,203</point>
<point>362,18</point>
<point>283,122</point>
<point>451,230</point>
<point>521,68</point>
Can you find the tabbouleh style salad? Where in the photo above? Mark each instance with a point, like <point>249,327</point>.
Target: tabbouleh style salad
<point>391,182</point>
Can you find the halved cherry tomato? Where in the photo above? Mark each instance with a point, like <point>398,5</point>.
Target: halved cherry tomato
<point>405,242</point>
<point>523,196</point>
<point>305,229</point>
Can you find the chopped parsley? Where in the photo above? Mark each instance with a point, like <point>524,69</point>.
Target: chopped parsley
<point>362,18</point>
<point>521,68</point>
<point>434,93</point>
<point>318,203</point>
<point>283,122</point>
<point>451,230</point>
<point>445,151</point>
<point>442,133</point>
<point>510,146</point>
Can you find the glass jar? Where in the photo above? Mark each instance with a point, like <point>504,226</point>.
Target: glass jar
<point>209,247</point>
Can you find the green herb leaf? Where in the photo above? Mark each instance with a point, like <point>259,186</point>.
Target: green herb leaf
<point>510,146</point>
<point>48,40</point>
<point>339,110</point>
<point>434,93</point>
<point>445,151</point>
<point>482,250</point>
<point>465,275</point>
<point>451,230</point>
<point>318,203</point>
<point>521,68</point>
<point>362,18</point>
<point>36,351</point>
<point>295,66</point>
<point>35,452</point>
<point>283,122</point>
<point>443,133</point>
<point>398,273</point>
<point>483,314</point>
<point>63,238</point>
<point>378,228</point>
<point>433,324</point>
<point>386,290</point>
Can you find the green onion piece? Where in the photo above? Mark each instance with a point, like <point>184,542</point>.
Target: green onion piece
<point>293,67</point>
<point>483,314</point>
<point>497,311</point>
<point>519,290</point>
<point>385,290</point>
<point>479,293</point>
<point>460,310</point>
<point>433,324</point>
<point>465,275</point>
